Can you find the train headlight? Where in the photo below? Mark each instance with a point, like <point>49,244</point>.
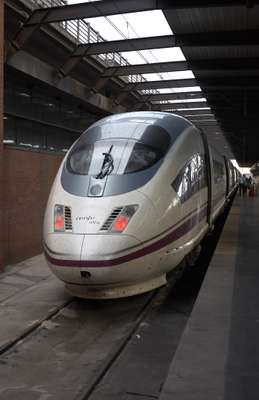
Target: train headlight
<point>59,218</point>
<point>122,220</point>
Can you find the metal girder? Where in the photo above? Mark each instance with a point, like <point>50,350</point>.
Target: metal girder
<point>200,117</point>
<point>210,122</point>
<point>27,30</point>
<point>235,90</point>
<point>221,38</point>
<point>212,83</point>
<point>195,65</point>
<point>231,81</point>
<point>194,39</point>
<point>195,113</point>
<point>237,121</point>
<point>111,7</point>
<point>166,84</point>
<point>147,68</point>
<point>171,96</point>
<point>78,11</point>
<point>115,46</point>
<point>174,106</point>
<point>211,94</point>
<point>95,9</point>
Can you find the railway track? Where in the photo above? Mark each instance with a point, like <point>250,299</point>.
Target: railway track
<point>83,337</point>
<point>154,300</point>
<point>119,349</point>
<point>29,331</point>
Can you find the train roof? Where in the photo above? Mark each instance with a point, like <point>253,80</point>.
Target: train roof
<point>171,123</point>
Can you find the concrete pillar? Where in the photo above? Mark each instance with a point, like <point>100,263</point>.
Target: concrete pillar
<point>1,129</point>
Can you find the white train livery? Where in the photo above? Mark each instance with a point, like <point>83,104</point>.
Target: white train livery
<point>135,194</point>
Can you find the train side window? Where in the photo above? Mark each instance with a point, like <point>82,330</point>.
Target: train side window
<point>191,178</point>
<point>218,169</point>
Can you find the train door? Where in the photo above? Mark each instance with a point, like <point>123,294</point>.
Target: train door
<point>208,165</point>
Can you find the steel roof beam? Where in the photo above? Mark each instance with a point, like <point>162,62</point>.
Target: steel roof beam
<point>239,125</point>
<point>147,68</point>
<point>238,94</point>
<point>227,38</point>
<point>209,122</point>
<point>213,94</point>
<point>215,84</point>
<point>78,11</point>
<point>166,84</point>
<point>115,46</point>
<point>195,113</point>
<point>207,88</point>
<point>194,39</point>
<point>171,96</point>
<point>199,117</point>
<point>230,83</point>
<point>174,106</point>
<point>199,65</point>
<point>111,7</point>
<point>237,120</point>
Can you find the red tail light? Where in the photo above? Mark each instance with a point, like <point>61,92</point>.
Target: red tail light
<point>123,218</point>
<point>120,223</point>
<point>59,218</point>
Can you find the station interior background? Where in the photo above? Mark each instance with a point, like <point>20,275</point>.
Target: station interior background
<point>38,126</point>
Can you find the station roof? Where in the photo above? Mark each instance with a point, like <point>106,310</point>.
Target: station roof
<point>220,43</point>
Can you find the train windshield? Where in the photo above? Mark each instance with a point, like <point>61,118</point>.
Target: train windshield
<point>142,157</point>
<point>125,155</point>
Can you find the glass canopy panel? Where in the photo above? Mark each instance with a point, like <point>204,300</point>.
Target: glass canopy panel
<point>131,25</point>
<point>154,55</point>
<point>179,90</point>
<point>200,100</point>
<point>192,109</point>
<point>169,75</point>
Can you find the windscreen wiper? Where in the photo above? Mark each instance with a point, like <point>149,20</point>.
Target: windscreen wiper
<point>107,166</point>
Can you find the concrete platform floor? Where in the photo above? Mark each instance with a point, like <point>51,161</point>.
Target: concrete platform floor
<point>218,356</point>
<point>28,293</point>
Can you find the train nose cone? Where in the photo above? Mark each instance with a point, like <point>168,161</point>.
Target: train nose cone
<point>61,252</point>
<point>107,250</point>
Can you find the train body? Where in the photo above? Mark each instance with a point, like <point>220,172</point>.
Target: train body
<point>134,195</point>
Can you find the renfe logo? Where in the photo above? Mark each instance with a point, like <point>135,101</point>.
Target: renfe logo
<point>89,218</point>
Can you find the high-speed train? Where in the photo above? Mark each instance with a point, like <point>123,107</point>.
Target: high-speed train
<point>135,195</point>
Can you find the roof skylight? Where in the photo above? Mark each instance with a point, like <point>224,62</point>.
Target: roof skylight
<point>131,25</point>
<point>140,25</point>
<point>198,115</point>
<point>190,109</point>
<point>169,75</point>
<point>180,90</point>
<point>200,100</point>
<point>154,55</point>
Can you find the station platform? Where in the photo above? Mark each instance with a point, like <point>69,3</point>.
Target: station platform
<point>218,356</point>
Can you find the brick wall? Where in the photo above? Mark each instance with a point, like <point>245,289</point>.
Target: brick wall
<point>28,177</point>
<point>1,127</point>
